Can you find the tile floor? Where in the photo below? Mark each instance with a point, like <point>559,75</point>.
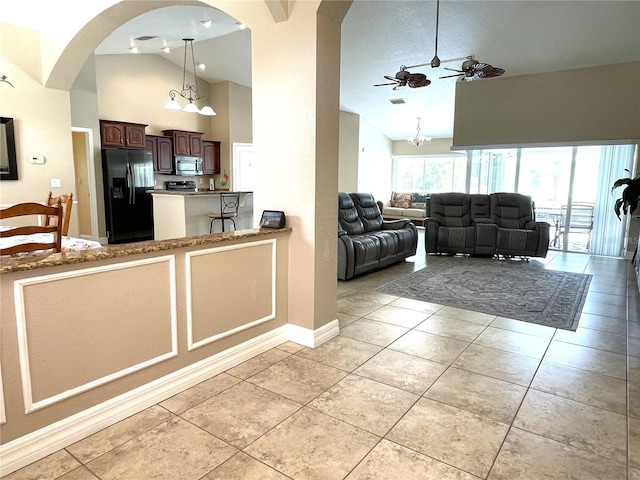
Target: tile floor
<point>408,390</point>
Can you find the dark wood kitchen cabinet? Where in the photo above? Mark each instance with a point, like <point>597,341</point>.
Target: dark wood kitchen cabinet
<point>211,157</point>
<point>122,134</point>
<point>188,144</point>
<point>161,150</point>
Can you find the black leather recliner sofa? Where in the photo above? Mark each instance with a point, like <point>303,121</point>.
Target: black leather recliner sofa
<point>477,224</point>
<point>366,242</point>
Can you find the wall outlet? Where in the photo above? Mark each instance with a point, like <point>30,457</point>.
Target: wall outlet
<point>56,183</point>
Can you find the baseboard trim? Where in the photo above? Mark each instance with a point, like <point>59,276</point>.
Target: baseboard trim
<point>313,338</point>
<point>37,445</point>
<point>34,446</point>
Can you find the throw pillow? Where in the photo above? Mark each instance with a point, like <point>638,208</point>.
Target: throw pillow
<point>402,200</point>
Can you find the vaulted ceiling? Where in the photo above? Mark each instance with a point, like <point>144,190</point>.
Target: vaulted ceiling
<point>522,37</point>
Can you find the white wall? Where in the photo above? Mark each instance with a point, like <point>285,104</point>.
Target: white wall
<point>374,161</point>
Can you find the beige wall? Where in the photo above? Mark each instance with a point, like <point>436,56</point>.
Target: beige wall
<point>232,123</point>
<point>295,118</point>
<point>295,139</point>
<point>134,88</point>
<point>349,148</point>
<point>135,319</point>
<point>589,105</point>
<point>42,126</point>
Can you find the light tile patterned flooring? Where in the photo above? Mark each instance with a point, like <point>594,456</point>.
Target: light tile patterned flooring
<point>409,390</point>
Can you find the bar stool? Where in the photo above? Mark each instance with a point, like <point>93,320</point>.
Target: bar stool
<point>229,203</point>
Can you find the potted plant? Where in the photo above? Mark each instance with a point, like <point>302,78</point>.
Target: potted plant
<point>630,195</point>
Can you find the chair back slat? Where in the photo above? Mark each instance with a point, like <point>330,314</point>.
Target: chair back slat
<point>33,208</point>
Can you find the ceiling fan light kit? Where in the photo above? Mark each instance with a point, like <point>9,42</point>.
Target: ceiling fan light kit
<point>189,92</point>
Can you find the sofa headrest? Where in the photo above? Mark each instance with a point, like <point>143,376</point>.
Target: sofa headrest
<point>368,211</point>
<point>511,210</point>
<point>348,217</point>
<point>344,200</point>
<point>365,200</point>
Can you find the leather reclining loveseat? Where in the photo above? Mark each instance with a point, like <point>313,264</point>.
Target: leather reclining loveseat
<point>366,242</point>
<point>478,224</point>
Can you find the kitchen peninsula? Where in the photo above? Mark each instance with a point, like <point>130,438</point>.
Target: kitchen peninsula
<point>184,213</point>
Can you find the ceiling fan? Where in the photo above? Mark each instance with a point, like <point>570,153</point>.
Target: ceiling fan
<point>471,68</point>
<point>404,78</point>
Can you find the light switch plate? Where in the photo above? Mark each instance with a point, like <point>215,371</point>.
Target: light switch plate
<point>38,159</point>
<point>56,183</point>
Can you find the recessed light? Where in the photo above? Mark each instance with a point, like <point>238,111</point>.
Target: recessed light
<point>134,50</point>
<point>241,25</point>
<point>166,49</point>
<point>206,23</point>
<point>201,66</point>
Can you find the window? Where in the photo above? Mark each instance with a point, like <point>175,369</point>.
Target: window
<point>429,174</point>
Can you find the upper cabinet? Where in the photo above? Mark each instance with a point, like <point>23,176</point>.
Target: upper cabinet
<point>211,157</point>
<point>122,134</point>
<point>187,144</point>
<point>162,152</point>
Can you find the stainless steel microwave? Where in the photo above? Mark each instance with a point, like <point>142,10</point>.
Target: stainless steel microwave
<point>188,166</point>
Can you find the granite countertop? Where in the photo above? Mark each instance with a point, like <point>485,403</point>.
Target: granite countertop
<point>187,193</point>
<point>32,262</point>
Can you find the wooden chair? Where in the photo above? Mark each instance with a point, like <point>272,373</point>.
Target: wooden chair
<point>67,203</point>
<point>32,208</point>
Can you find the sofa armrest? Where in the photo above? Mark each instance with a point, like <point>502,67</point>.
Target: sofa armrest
<point>543,238</point>
<point>341,232</point>
<point>395,224</point>
<point>346,257</point>
<point>431,234</point>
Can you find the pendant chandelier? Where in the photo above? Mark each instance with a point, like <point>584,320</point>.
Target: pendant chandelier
<point>418,139</point>
<point>189,92</point>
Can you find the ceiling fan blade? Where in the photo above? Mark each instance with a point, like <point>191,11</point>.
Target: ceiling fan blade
<point>451,76</point>
<point>385,84</point>
<point>481,67</point>
<point>494,72</point>
<point>393,79</point>
<point>420,83</point>
<point>453,70</point>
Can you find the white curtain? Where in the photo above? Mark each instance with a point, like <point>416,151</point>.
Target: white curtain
<point>608,231</point>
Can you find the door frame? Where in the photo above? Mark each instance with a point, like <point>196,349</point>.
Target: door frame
<point>91,173</point>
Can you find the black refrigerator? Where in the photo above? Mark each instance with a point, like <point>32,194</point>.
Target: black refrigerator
<point>127,175</point>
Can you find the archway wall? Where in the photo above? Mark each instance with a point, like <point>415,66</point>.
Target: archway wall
<point>295,64</point>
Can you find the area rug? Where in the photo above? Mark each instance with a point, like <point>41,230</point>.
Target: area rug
<point>507,288</point>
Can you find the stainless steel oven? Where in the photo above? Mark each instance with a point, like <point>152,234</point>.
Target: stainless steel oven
<point>188,166</point>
